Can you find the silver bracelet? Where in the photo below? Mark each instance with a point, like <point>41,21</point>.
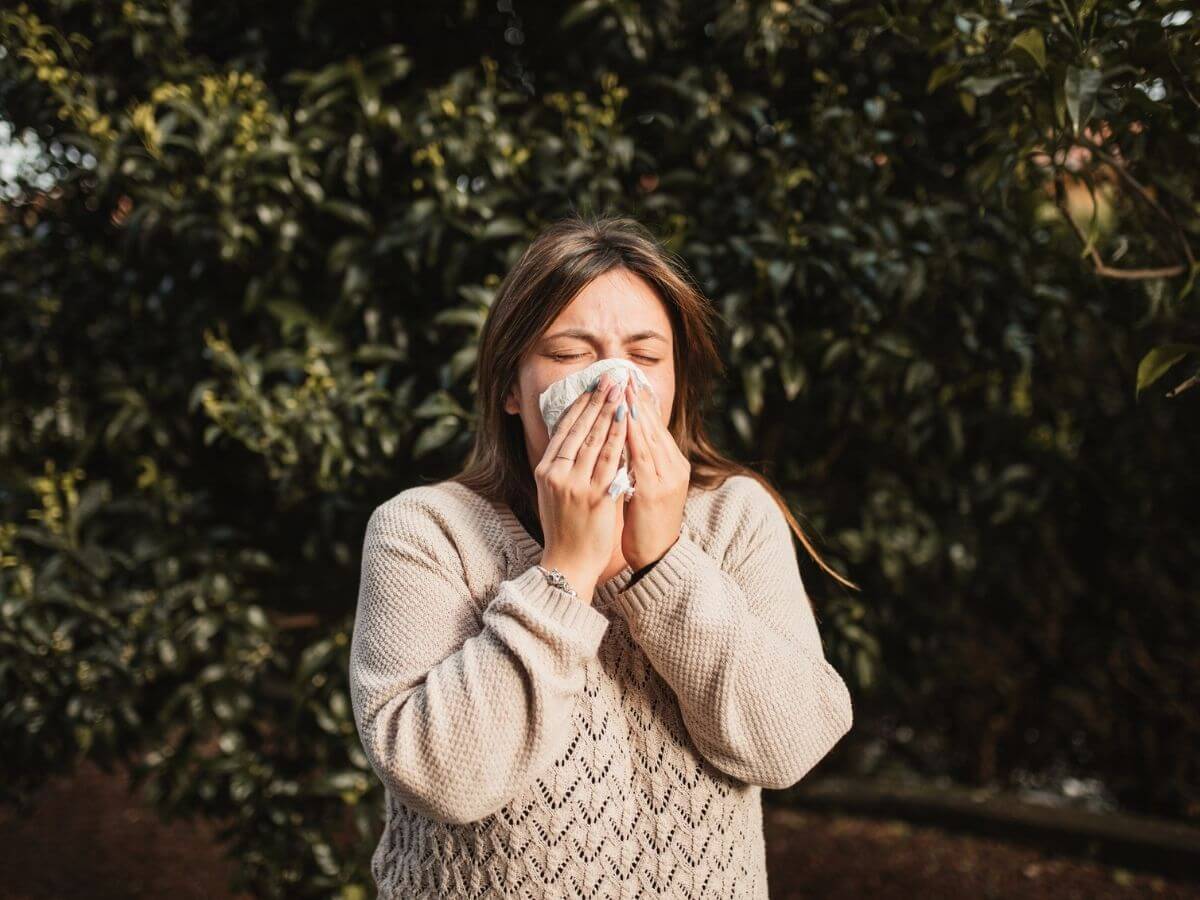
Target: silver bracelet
<point>558,580</point>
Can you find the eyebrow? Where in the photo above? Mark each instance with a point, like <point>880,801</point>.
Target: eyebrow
<point>584,334</point>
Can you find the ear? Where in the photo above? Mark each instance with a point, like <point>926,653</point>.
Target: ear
<point>511,405</point>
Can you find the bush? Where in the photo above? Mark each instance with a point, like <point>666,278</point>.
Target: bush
<point>244,275</point>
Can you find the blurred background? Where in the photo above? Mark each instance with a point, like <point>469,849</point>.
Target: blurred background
<point>245,254</point>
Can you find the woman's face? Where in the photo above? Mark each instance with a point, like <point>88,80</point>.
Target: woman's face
<point>617,315</point>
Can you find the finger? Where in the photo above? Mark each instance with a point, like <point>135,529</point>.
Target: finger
<point>582,425</point>
<point>563,427</point>
<point>641,451</point>
<point>653,414</point>
<point>662,446</point>
<point>609,459</point>
<point>585,459</point>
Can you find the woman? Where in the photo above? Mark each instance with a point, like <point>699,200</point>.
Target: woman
<point>567,694</point>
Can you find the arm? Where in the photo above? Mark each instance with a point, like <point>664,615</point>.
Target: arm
<point>738,644</point>
<point>456,719</point>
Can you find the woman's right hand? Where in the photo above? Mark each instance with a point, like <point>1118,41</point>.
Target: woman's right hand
<point>578,516</point>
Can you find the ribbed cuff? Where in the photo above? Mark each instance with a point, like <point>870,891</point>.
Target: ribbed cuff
<point>578,618</point>
<point>682,562</point>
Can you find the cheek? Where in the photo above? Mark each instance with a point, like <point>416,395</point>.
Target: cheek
<point>664,391</point>
<point>535,425</point>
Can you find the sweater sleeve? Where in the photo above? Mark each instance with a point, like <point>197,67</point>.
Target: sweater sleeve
<point>458,709</point>
<point>738,644</point>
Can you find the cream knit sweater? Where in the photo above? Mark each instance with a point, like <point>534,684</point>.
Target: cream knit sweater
<point>535,746</point>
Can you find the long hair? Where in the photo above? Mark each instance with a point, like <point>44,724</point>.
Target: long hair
<point>554,268</point>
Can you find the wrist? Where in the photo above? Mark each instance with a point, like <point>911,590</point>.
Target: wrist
<point>583,583</point>
<point>641,567</point>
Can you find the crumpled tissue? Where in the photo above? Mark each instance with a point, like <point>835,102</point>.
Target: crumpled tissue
<point>558,397</point>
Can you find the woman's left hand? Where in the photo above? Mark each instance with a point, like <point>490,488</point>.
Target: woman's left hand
<point>661,476</point>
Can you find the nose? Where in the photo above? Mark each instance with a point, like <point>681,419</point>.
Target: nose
<point>609,347</point>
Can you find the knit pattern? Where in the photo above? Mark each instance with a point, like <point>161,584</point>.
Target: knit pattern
<point>535,746</point>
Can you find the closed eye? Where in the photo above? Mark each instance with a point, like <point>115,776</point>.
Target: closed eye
<point>561,357</point>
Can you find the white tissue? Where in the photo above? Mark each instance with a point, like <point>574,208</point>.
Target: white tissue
<point>558,397</point>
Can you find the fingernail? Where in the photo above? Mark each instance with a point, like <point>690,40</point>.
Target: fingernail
<point>595,384</point>
<point>620,412</point>
<point>614,392</point>
<point>633,410</point>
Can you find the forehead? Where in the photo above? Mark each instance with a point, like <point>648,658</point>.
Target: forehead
<point>617,301</point>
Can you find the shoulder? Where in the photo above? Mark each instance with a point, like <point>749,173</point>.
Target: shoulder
<point>735,511</point>
<point>737,497</point>
<point>430,497</point>
<point>750,494</point>
<point>442,518</point>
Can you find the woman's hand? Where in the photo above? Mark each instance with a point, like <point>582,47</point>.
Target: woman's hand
<point>661,476</point>
<point>578,516</point>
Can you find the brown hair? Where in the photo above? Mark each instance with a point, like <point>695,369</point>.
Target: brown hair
<point>554,268</point>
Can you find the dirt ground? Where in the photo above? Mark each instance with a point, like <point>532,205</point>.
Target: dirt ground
<point>819,856</point>
<point>89,838</point>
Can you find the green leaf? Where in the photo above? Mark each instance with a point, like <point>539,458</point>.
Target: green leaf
<point>941,75</point>
<point>435,436</point>
<point>579,12</point>
<point>349,212</point>
<point>793,375</point>
<point>835,352</point>
<point>1081,87</point>
<point>1156,363</point>
<point>1032,42</point>
<point>326,861</point>
<point>503,227</point>
<point>477,293</point>
<point>1193,272</point>
<point>979,86</point>
<point>167,653</point>
<point>895,343</point>
<point>752,383</point>
<point>461,315</point>
<point>742,425</point>
<point>463,361</point>
<point>241,786</point>
<point>439,403</point>
<point>290,314</point>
